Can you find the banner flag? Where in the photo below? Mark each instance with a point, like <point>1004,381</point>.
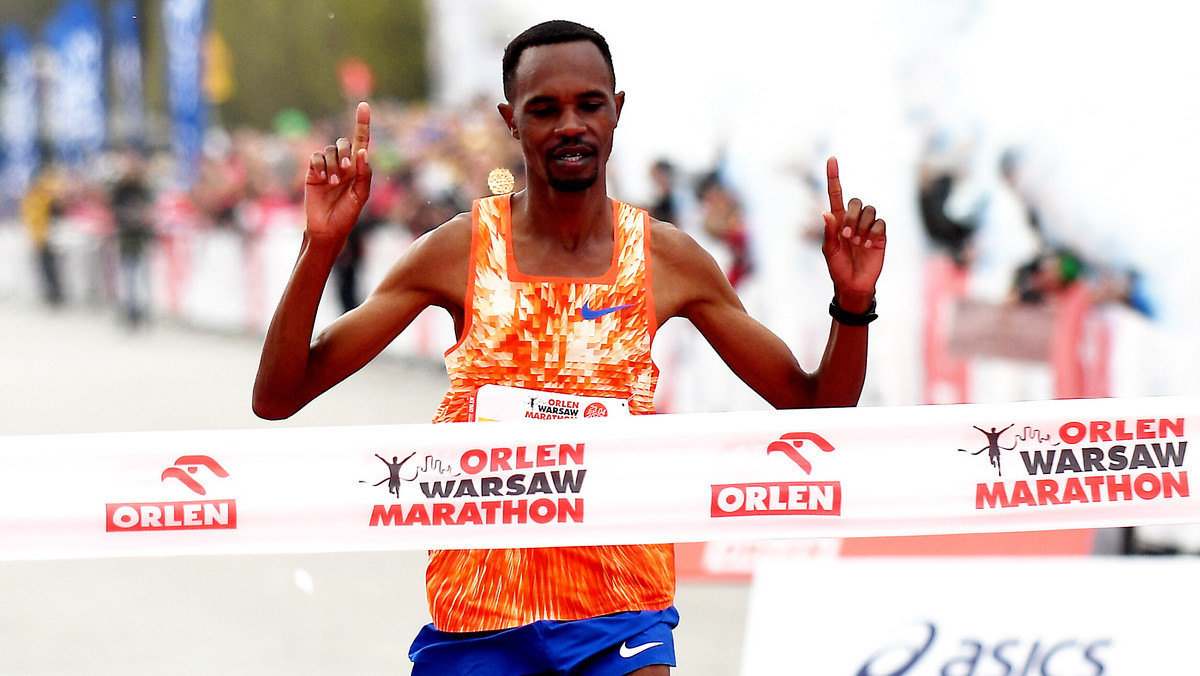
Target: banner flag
<point>853,472</point>
<point>75,107</point>
<point>184,22</point>
<point>18,113</point>
<point>129,110</point>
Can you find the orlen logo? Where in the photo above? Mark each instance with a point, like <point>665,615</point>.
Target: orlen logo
<point>188,465</point>
<point>790,444</point>
<point>782,497</point>
<point>188,515</point>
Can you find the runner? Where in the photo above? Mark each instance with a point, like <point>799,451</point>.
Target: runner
<point>561,289</point>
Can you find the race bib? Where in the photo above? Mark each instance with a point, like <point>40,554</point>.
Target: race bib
<point>495,403</point>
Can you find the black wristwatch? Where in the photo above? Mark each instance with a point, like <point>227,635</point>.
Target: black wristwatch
<point>849,318</point>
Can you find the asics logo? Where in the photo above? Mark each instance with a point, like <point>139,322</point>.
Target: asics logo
<point>588,313</point>
<point>628,652</point>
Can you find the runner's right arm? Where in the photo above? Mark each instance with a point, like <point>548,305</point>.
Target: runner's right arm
<point>295,368</point>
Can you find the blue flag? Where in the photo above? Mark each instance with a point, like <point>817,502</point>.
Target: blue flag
<point>75,104</point>
<point>129,111</point>
<point>18,114</point>
<point>184,22</point>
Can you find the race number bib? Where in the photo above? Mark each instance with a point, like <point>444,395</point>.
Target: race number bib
<point>498,403</point>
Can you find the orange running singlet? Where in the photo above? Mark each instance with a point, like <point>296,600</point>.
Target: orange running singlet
<point>585,337</point>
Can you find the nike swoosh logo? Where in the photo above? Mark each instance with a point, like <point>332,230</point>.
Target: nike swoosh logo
<point>628,652</point>
<point>588,313</point>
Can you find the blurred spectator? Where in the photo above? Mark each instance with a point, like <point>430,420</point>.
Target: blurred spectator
<point>40,209</point>
<point>936,183</point>
<point>1043,278</point>
<point>219,189</point>
<point>347,268</point>
<point>1129,288</point>
<point>664,207</point>
<point>134,236</point>
<point>1007,238</point>
<point>722,221</point>
<point>131,202</point>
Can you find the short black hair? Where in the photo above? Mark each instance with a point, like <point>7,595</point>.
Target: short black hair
<point>550,33</point>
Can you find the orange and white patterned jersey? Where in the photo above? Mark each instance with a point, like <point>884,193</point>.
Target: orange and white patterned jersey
<point>582,337</point>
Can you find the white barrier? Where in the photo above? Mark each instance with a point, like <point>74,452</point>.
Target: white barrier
<point>668,478</point>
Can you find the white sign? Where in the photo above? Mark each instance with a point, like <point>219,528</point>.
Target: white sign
<point>972,617</point>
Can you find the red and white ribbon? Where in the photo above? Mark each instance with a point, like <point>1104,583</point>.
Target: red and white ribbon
<point>669,478</point>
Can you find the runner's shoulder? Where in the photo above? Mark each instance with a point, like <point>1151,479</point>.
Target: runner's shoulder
<point>674,249</point>
<point>436,261</point>
<point>447,244</point>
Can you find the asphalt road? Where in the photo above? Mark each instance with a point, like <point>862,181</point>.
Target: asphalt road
<point>79,371</point>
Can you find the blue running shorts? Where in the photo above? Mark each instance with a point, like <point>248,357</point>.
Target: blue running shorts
<point>611,645</point>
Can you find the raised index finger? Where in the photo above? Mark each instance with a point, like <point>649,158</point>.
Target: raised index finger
<point>836,205</point>
<point>362,128</point>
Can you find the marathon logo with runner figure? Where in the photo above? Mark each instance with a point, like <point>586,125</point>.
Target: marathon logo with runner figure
<point>1085,461</point>
<point>536,484</point>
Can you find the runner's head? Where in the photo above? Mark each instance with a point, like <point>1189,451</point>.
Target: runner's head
<point>550,33</point>
<point>561,105</point>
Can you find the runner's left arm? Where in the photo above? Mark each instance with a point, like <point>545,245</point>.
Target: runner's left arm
<point>689,283</point>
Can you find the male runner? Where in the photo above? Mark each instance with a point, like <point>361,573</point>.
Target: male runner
<point>557,288</point>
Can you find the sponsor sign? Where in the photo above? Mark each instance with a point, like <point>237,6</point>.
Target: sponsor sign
<point>194,515</point>
<point>969,617</point>
<point>494,403</point>
<point>1086,461</point>
<point>177,515</point>
<point>534,484</point>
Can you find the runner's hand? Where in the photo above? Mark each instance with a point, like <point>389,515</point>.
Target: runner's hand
<point>338,183</point>
<point>853,246</point>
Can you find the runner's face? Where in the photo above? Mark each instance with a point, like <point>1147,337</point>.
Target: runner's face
<point>564,112</point>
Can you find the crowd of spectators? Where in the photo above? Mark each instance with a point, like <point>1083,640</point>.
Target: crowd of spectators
<point>122,232</point>
<point>95,229</point>
<point>98,223</point>
<point>995,231</point>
